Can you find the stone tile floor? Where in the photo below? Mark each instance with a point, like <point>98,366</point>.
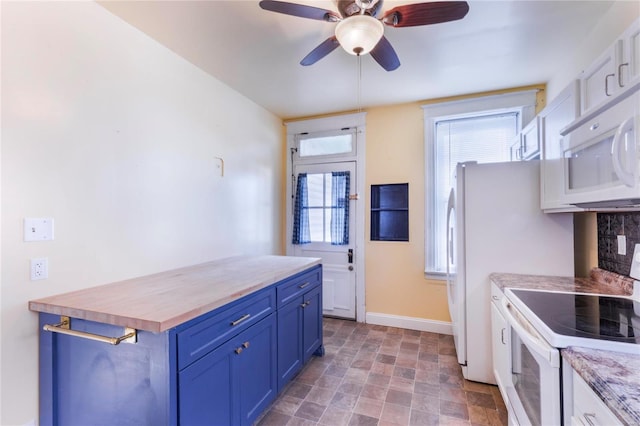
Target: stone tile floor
<point>377,375</point>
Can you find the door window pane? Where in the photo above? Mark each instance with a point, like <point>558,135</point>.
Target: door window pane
<point>321,206</point>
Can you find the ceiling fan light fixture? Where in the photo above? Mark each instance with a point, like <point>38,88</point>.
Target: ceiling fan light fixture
<point>359,34</point>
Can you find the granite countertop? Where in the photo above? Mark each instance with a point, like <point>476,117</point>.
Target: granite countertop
<point>613,376</point>
<point>599,281</point>
<point>162,301</point>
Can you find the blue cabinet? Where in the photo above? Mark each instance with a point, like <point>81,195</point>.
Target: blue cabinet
<point>299,323</point>
<point>312,323</point>
<point>234,383</point>
<point>85,382</point>
<point>221,368</point>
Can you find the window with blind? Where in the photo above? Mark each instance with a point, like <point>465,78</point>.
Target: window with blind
<point>480,130</point>
<point>485,139</point>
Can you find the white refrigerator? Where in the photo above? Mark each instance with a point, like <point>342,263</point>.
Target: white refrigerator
<point>495,224</point>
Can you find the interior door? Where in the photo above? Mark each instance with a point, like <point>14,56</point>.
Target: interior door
<point>338,261</point>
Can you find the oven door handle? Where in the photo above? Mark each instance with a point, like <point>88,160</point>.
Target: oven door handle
<point>530,336</point>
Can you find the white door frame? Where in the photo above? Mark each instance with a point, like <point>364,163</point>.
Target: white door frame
<point>327,124</point>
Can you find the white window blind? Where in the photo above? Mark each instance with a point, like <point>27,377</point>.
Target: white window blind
<point>485,139</point>
<point>474,129</point>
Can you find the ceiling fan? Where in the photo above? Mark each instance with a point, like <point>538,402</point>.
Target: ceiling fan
<point>359,30</point>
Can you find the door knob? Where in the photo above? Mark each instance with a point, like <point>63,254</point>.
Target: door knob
<point>350,267</point>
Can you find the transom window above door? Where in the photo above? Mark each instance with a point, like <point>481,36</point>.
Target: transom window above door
<point>313,146</point>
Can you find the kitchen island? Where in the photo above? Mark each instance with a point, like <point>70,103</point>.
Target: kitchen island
<point>207,344</point>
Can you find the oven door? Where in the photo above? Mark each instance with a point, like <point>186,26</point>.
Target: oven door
<point>534,391</point>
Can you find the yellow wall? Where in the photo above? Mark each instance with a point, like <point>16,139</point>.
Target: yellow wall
<point>394,271</point>
<point>585,242</point>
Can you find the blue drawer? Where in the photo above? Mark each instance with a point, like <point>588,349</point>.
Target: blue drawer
<point>297,285</point>
<point>203,337</point>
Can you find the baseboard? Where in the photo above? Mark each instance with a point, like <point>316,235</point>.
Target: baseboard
<point>420,324</point>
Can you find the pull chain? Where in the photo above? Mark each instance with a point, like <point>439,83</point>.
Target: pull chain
<point>359,83</point>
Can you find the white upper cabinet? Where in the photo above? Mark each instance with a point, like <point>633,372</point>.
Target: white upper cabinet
<point>614,70</point>
<point>530,141</point>
<point>598,81</point>
<point>526,145</point>
<point>629,67</point>
<point>560,112</point>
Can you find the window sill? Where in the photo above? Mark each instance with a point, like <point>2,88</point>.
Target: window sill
<point>436,276</point>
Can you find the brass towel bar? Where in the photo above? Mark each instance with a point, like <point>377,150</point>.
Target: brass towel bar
<point>64,327</point>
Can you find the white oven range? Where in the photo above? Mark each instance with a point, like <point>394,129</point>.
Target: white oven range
<point>542,322</point>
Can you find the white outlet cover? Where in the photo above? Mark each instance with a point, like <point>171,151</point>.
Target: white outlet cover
<point>39,268</point>
<point>622,245</point>
<point>38,229</point>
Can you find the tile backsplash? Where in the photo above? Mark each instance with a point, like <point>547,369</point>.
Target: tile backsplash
<point>610,226</point>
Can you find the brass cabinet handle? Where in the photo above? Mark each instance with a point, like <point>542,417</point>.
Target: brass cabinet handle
<point>244,346</point>
<point>64,327</point>
<point>239,320</point>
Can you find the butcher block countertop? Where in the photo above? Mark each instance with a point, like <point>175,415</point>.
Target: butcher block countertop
<point>162,301</point>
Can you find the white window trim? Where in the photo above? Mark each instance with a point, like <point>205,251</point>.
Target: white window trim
<point>357,120</point>
<point>524,101</point>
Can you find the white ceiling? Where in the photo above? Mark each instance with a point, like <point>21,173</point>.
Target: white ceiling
<point>499,44</point>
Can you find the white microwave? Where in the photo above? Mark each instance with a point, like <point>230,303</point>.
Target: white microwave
<point>602,158</point>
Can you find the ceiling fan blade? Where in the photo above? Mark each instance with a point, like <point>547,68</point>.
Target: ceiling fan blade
<point>384,54</point>
<point>300,10</point>
<point>412,15</point>
<point>323,49</point>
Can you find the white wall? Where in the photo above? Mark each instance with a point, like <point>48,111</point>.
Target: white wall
<point>620,16</point>
<point>114,136</point>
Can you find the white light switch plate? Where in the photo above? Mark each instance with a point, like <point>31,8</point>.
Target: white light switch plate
<point>38,229</point>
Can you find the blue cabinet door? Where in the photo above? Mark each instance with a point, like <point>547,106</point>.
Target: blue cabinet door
<point>233,384</point>
<point>312,322</point>
<point>289,341</point>
<point>206,390</point>
<point>255,362</point>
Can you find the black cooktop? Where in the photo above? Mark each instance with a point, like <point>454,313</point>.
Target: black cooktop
<point>588,316</point>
